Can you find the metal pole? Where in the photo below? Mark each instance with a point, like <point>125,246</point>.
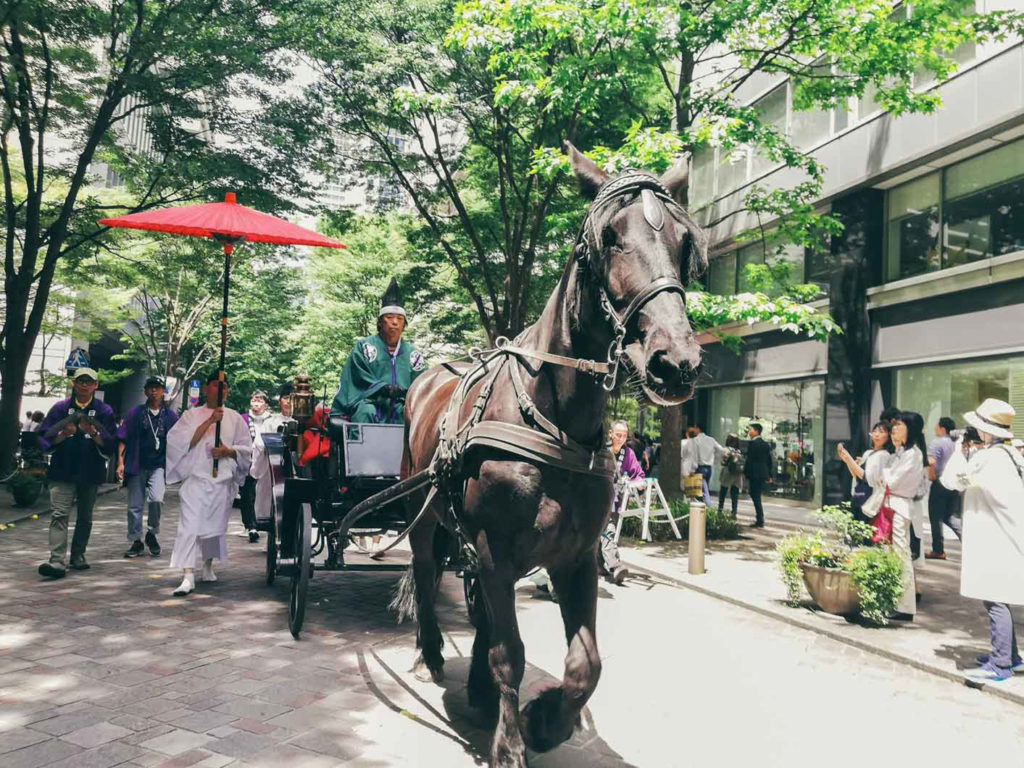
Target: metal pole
<point>228,248</point>
<point>698,518</point>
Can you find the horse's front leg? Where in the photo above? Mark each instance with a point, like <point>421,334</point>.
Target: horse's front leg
<point>507,662</point>
<point>429,664</point>
<point>551,717</point>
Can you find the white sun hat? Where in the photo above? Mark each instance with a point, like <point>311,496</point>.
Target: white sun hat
<point>993,417</point>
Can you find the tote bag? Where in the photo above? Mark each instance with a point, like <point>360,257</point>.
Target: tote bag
<point>882,522</point>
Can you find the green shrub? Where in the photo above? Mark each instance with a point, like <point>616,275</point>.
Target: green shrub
<point>800,548</point>
<point>24,488</point>
<point>878,574</point>
<point>717,525</point>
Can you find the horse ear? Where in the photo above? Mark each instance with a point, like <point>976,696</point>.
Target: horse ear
<point>677,181</point>
<point>589,176</point>
<point>695,248</point>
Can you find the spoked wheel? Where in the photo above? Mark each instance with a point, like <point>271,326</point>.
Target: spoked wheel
<point>470,581</point>
<point>300,573</point>
<point>271,552</point>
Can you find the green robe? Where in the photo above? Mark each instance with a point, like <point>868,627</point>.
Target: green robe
<point>369,370</point>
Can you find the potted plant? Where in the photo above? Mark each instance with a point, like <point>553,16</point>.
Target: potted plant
<point>24,488</point>
<point>843,572</point>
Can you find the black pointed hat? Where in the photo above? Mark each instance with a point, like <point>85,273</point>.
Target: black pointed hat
<point>391,302</point>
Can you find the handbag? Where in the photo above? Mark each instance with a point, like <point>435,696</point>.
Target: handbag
<point>882,522</point>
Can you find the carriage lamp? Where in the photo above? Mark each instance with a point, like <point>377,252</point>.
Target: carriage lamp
<point>302,399</point>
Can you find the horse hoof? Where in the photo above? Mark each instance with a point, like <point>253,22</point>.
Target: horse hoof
<point>423,672</point>
<point>544,727</point>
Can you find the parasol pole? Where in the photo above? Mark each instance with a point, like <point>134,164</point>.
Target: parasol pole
<point>229,247</point>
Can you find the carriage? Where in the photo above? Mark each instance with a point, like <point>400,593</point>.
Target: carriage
<point>317,512</point>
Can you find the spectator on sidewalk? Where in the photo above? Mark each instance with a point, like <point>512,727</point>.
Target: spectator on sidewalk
<point>81,433</point>
<point>687,457</point>
<point>140,464</point>
<point>906,479</point>
<point>867,470</point>
<point>706,452</point>
<point>205,499</point>
<point>991,479</point>
<point>627,470</point>
<point>258,420</point>
<point>943,504</point>
<point>758,469</point>
<point>731,474</point>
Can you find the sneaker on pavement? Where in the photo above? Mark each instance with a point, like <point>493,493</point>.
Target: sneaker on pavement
<point>186,586</point>
<point>934,555</point>
<point>153,544</point>
<point>135,550</point>
<point>254,536</point>
<point>1016,666</point>
<point>80,565</point>
<point>619,575</point>
<point>52,570</point>
<point>987,674</point>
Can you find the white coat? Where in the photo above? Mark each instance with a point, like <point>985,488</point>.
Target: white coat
<point>992,566</point>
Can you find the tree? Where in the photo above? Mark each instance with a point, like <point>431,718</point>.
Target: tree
<point>703,54</point>
<point>416,102</point>
<point>73,74</point>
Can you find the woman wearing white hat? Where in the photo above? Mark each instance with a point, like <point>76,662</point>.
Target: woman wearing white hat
<point>992,568</point>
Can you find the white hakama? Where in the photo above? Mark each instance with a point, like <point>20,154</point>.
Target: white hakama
<point>205,500</point>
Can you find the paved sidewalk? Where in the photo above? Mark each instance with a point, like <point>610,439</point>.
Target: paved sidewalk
<point>944,638</point>
<point>9,513</point>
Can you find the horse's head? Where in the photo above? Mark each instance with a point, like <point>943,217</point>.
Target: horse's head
<point>639,248</point>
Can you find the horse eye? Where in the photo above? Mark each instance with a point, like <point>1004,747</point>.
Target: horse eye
<point>609,238</point>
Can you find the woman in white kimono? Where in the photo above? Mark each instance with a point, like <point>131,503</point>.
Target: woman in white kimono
<point>205,499</point>
<point>905,477</point>
<point>992,560</point>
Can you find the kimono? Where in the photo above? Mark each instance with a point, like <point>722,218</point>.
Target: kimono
<point>992,560</point>
<point>370,369</point>
<point>205,500</point>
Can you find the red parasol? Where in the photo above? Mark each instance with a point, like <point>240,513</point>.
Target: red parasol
<point>229,224</point>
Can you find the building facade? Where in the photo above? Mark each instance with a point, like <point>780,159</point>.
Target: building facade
<point>926,279</point>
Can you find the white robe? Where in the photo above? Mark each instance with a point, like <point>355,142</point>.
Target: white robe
<point>205,500</point>
<point>260,469</point>
<point>992,559</point>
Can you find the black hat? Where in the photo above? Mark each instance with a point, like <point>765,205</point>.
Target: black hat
<point>215,376</point>
<point>391,302</point>
<point>153,381</point>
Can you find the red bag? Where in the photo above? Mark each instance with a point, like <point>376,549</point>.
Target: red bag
<point>882,522</point>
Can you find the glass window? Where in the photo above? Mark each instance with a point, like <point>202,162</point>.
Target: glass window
<point>772,110</point>
<point>984,212</point>
<point>795,256</point>
<point>791,415</point>
<point>722,275</point>
<point>751,254</point>
<point>702,187</point>
<point>732,169</point>
<point>810,127</point>
<point>952,389</point>
<point>913,227</point>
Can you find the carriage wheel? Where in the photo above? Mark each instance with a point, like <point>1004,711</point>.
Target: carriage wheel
<point>300,574</point>
<point>271,551</point>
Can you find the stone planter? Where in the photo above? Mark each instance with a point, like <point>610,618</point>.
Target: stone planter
<point>831,589</point>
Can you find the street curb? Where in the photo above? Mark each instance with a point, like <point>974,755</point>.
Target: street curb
<point>1016,698</point>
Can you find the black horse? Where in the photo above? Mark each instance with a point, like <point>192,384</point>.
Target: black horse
<point>620,298</point>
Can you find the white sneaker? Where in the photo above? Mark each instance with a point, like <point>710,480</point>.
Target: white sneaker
<point>186,586</point>
<point>208,574</point>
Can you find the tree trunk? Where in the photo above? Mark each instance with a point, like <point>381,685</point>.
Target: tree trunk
<point>669,467</point>
<point>13,373</point>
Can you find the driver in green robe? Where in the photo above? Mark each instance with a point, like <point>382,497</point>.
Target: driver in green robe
<point>380,369</point>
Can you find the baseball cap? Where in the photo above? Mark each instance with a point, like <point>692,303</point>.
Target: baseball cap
<point>85,372</point>
<point>153,381</point>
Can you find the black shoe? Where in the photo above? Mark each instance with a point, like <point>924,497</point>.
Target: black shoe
<point>254,536</point>
<point>620,574</point>
<point>80,565</point>
<point>758,524</point>
<point>135,549</point>
<point>52,570</point>
<point>153,544</point>
<point>902,616</point>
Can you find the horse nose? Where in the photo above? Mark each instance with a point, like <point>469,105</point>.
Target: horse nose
<point>674,369</point>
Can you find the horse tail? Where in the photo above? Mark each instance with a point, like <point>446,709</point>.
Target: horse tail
<point>404,601</point>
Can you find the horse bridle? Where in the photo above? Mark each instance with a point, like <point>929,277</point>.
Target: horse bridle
<point>588,243</point>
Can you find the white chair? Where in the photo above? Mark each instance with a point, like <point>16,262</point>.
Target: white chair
<point>636,502</point>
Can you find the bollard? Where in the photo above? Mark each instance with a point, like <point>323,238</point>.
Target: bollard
<point>698,518</point>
